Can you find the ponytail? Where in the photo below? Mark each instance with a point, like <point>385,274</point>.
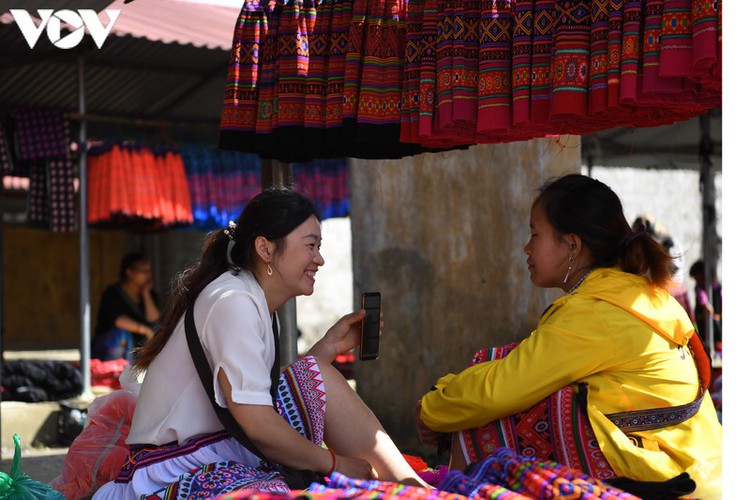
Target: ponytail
<point>644,256</point>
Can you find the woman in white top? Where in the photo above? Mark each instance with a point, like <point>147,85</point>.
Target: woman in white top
<point>247,271</point>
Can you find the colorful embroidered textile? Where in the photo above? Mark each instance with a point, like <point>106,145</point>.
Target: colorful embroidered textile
<point>556,428</point>
<point>389,78</point>
<point>316,79</point>
<point>501,475</point>
<point>504,470</point>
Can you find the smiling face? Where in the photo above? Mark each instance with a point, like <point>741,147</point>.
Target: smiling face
<point>299,259</point>
<point>548,252</point>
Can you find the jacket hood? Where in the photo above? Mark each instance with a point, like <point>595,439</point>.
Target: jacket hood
<point>651,304</point>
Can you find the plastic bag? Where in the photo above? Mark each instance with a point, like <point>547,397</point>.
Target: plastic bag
<point>98,453</point>
<point>19,486</point>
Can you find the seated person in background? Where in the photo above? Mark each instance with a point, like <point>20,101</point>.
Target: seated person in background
<point>128,311</point>
<point>617,346</point>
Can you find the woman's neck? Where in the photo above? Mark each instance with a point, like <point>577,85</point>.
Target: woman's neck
<point>576,278</point>
<point>274,298</point>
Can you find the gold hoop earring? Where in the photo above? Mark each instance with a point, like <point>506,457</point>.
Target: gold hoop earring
<point>269,270</point>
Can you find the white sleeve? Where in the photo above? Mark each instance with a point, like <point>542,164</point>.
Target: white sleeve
<point>237,340</point>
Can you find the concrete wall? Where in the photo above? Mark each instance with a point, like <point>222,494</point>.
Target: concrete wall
<point>441,236</point>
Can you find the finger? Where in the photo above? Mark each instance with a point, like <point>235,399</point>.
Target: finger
<point>354,317</point>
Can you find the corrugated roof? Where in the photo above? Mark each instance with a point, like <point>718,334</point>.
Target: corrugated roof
<point>177,21</point>
<point>164,60</point>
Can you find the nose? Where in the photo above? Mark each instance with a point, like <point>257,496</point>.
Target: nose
<point>318,258</point>
<point>526,248</point>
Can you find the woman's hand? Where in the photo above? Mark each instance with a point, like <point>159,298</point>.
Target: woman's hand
<point>355,468</point>
<point>342,337</point>
<point>426,435</point>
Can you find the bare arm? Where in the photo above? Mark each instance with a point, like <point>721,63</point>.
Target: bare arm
<point>280,443</point>
<point>152,311</point>
<point>125,322</point>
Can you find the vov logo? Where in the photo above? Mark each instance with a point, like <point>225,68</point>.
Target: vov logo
<point>53,20</point>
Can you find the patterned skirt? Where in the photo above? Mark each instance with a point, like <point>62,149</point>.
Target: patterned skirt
<point>216,464</point>
<point>557,429</point>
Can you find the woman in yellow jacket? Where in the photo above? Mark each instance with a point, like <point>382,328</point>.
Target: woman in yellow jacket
<point>616,337</point>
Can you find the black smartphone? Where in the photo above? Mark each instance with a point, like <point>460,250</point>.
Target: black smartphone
<point>369,340</point>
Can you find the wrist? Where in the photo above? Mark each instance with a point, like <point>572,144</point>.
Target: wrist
<point>333,463</point>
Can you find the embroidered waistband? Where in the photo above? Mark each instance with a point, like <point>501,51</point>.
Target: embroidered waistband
<point>145,455</point>
<point>655,418</point>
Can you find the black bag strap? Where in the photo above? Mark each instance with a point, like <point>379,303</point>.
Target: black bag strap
<point>204,371</point>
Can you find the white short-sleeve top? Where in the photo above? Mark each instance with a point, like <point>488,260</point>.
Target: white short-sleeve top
<point>234,327</point>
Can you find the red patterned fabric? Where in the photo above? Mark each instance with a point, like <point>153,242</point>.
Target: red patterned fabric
<point>556,429</point>
<point>388,78</point>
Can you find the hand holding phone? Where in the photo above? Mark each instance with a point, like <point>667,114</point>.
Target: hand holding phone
<point>369,341</point>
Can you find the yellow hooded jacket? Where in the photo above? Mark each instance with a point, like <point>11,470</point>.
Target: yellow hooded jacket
<point>628,341</point>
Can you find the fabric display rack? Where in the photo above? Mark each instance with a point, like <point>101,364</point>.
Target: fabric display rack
<point>390,78</point>
<point>147,187</point>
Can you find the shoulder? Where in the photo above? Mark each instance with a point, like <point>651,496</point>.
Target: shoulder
<point>229,293</point>
<point>112,293</point>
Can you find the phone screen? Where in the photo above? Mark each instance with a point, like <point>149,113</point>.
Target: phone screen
<point>370,330</point>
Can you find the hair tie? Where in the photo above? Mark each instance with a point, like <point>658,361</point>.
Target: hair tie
<point>230,229</point>
<point>634,234</point>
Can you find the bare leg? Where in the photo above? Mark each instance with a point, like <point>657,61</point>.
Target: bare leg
<point>351,429</point>
<point>457,462</point>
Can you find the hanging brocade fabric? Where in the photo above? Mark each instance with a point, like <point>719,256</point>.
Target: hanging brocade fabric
<point>42,153</point>
<point>546,68</point>
<point>6,168</point>
<point>326,181</point>
<point>133,187</point>
<point>222,182</point>
<point>316,79</point>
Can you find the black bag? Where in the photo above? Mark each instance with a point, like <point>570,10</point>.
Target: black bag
<point>296,479</point>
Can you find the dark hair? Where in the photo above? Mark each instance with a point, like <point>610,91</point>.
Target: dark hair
<point>129,261</point>
<point>589,208</point>
<point>697,269</point>
<point>273,214</point>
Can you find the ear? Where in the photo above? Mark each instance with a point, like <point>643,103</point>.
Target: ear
<point>575,243</point>
<point>265,248</point>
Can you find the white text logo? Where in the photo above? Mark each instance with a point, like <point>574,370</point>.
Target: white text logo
<point>53,21</point>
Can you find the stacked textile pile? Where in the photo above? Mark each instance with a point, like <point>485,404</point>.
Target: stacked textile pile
<point>389,78</point>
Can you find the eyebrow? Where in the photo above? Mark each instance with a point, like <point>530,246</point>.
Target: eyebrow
<point>313,236</point>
